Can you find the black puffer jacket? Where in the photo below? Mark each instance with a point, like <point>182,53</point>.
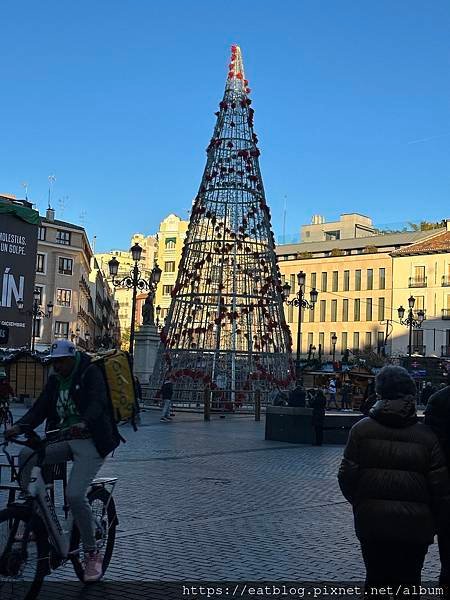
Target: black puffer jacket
<point>437,417</point>
<point>393,473</point>
<point>90,395</point>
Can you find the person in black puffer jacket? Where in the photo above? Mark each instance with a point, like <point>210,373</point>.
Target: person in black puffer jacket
<point>394,475</point>
<point>437,417</point>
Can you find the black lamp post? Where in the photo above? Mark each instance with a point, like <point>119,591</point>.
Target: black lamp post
<point>300,301</point>
<point>36,312</point>
<point>333,343</point>
<point>158,312</point>
<point>134,281</point>
<point>410,321</point>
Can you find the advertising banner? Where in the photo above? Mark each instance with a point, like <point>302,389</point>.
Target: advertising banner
<point>18,247</point>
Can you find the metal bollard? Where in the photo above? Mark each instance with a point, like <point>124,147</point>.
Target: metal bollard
<point>257,405</point>
<point>207,404</point>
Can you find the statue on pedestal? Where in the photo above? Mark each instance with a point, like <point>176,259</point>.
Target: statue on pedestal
<point>148,313</point>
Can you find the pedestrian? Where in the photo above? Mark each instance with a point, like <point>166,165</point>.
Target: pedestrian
<point>318,405</point>
<point>74,402</point>
<point>437,417</point>
<point>277,397</point>
<point>394,475</point>
<point>6,391</point>
<point>332,394</point>
<point>166,395</point>
<point>297,396</point>
<point>427,391</point>
<point>138,399</point>
<point>346,401</point>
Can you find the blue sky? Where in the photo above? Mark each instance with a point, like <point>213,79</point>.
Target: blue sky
<point>117,99</point>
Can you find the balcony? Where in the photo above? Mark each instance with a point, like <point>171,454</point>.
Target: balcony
<point>417,282</point>
<point>445,281</point>
<point>445,351</point>
<point>446,314</point>
<point>417,349</point>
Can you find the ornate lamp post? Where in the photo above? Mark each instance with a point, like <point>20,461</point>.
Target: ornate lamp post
<point>36,312</point>
<point>410,321</point>
<point>158,312</point>
<point>333,343</point>
<point>300,301</point>
<point>134,281</point>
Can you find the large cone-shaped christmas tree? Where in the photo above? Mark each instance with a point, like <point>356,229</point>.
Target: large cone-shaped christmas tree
<point>225,328</point>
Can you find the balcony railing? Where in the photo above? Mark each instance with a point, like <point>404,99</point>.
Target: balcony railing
<point>445,281</point>
<point>417,349</point>
<point>445,351</point>
<point>417,282</point>
<point>446,314</point>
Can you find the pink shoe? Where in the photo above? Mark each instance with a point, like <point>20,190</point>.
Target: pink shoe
<point>93,567</point>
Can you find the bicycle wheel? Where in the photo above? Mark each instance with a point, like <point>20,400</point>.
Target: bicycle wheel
<point>23,566</point>
<point>104,511</point>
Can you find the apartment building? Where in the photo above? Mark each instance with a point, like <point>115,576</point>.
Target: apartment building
<point>171,234</point>
<point>349,225</point>
<point>422,270</point>
<point>105,334</point>
<point>62,277</point>
<point>355,281</point>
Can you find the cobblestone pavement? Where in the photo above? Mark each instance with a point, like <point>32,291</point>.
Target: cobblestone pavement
<point>215,501</point>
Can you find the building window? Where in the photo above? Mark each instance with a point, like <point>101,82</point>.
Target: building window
<point>167,290</point>
<point>323,310</point>
<point>61,329</point>
<point>169,266</point>
<point>356,341</point>
<point>381,305</point>
<point>290,315</point>
<point>368,341</point>
<point>334,310</point>
<point>63,237</point>
<point>345,309</point>
<point>322,341</point>
<point>37,328</point>
<point>380,341</point>
<point>310,340</point>
<point>312,313</point>
<point>64,297</point>
<point>40,289</point>
<point>313,280</point>
<point>368,309</point>
<point>358,280</point>
<point>344,341</point>
<point>65,266</point>
<point>292,281</point>
<point>170,243</point>
<point>346,281</point>
<point>419,274</point>
<point>382,279</point>
<point>357,310</point>
<point>324,282</point>
<point>370,279</point>
<point>335,282</point>
<point>42,234</point>
<point>40,263</point>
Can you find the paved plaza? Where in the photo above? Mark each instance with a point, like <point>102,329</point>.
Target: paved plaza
<point>215,501</point>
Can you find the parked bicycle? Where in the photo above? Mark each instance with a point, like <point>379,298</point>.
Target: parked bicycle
<point>6,418</point>
<point>34,542</point>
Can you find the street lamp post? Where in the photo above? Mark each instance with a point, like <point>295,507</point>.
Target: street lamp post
<point>158,312</point>
<point>36,312</point>
<point>333,343</point>
<point>135,282</point>
<point>300,301</point>
<point>410,321</point>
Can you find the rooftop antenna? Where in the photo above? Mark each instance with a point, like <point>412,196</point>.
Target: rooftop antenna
<point>94,242</point>
<point>284,218</point>
<point>25,186</point>
<point>51,181</point>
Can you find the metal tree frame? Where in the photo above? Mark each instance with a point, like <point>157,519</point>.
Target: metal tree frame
<point>225,327</point>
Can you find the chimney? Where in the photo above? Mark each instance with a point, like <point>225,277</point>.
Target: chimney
<point>50,214</point>
<point>447,223</point>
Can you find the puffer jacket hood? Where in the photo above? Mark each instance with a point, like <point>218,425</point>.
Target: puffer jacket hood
<point>395,412</point>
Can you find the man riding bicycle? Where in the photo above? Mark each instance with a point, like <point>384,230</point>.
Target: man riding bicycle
<point>74,401</point>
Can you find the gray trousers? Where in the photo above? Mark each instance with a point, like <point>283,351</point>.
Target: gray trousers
<point>86,464</point>
<point>167,402</point>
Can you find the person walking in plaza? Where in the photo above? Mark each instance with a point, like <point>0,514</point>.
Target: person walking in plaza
<point>166,395</point>
<point>332,394</point>
<point>318,405</point>
<point>394,475</point>
<point>346,401</point>
<point>427,391</point>
<point>297,396</point>
<point>437,417</point>
<point>74,401</point>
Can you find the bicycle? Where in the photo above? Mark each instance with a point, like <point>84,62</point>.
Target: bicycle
<point>6,418</point>
<point>33,542</point>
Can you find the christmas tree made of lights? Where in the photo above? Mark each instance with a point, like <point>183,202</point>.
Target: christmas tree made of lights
<point>225,328</point>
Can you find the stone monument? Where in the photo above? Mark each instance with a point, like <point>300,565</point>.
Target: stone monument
<point>146,341</point>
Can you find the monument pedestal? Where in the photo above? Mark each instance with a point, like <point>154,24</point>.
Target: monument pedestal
<point>146,342</point>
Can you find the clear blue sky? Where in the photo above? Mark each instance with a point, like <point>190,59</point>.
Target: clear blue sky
<point>116,98</point>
